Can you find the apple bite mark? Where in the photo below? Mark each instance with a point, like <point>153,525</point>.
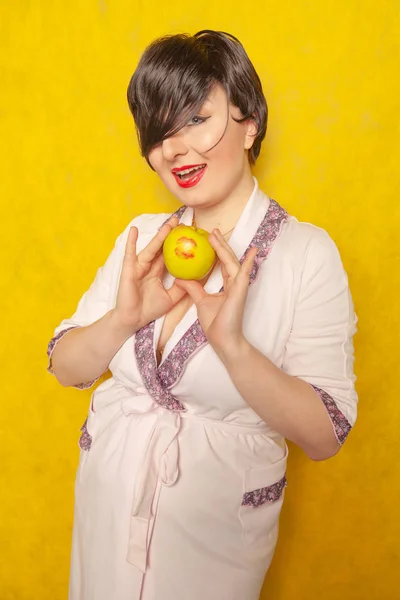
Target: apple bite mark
<point>185,247</point>
<point>187,252</point>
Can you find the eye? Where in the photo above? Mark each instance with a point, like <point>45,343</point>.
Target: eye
<point>197,120</point>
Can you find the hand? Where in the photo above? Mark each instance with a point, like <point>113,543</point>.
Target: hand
<point>141,294</point>
<point>221,314</point>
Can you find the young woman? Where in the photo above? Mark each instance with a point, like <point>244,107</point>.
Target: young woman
<point>183,456</point>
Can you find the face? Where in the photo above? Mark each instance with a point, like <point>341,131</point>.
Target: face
<point>206,161</point>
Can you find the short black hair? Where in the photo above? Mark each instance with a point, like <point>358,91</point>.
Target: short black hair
<point>175,76</point>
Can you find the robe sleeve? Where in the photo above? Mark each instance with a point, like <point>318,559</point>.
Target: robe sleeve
<point>320,345</point>
<point>96,301</point>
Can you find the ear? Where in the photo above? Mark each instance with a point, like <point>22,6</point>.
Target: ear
<point>250,133</point>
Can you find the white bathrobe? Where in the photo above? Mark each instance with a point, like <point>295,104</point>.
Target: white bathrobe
<point>180,483</point>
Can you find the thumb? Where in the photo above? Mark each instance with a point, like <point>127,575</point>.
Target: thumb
<point>193,288</point>
<point>157,266</point>
<point>176,293</point>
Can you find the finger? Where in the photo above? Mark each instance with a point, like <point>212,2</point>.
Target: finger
<point>225,276</point>
<point>176,293</point>
<point>247,265</point>
<point>157,266</point>
<point>155,245</point>
<point>224,271</point>
<point>220,237</point>
<point>130,258</point>
<point>173,221</point>
<point>193,288</point>
<point>225,254</point>
<point>239,287</point>
<point>130,248</point>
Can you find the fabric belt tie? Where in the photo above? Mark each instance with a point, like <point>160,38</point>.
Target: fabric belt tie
<point>159,464</point>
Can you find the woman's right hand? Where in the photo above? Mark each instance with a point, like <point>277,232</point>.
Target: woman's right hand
<point>142,296</point>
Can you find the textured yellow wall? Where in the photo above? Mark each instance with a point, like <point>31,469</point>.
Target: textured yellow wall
<point>72,178</point>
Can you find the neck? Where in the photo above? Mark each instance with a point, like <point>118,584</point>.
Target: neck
<point>225,214</point>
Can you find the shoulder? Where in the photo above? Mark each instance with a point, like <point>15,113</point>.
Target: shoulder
<point>308,242</point>
<point>308,256</point>
<point>314,258</point>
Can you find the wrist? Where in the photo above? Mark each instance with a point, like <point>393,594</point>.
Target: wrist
<point>119,328</point>
<point>234,352</point>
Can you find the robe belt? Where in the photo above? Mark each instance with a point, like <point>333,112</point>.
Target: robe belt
<point>160,465</point>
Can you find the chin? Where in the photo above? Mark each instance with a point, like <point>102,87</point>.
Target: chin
<point>199,200</point>
<point>193,197</point>
<point>202,195</point>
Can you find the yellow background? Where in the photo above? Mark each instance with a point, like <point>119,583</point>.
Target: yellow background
<point>71,180</point>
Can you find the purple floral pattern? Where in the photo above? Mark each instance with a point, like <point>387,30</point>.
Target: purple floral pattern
<point>85,441</point>
<point>340,424</point>
<point>264,495</point>
<point>53,343</point>
<point>178,213</point>
<point>172,368</point>
<point>266,235</point>
<point>147,365</point>
<point>50,349</point>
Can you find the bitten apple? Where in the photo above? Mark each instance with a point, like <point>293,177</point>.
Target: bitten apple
<point>187,252</point>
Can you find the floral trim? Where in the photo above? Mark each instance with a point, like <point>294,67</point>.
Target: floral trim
<point>50,349</point>
<point>53,343</point>
<point>264,495</point>
<point>178,213</point>
<point>266,235</point>
<point>172,368</point>
<point>340,424</point>
<point>147,365</point>
<point>85,441</point>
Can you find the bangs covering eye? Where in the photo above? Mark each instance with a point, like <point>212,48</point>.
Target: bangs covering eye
<point>168,88</point>
<point>176,74</point>
<point>171,118</point>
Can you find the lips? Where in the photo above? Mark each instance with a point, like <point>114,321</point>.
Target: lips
<point>189,175</point>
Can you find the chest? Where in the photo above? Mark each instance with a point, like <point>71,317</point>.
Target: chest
<point>173,318</point>
<point>170,322</point>
<point>266,324</point>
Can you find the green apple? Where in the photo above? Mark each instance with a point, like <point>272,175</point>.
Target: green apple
<point>187,252</point>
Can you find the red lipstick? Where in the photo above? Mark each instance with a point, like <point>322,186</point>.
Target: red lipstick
<point>189,175</point>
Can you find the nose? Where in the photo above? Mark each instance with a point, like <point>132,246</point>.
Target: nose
<point>174,146</point>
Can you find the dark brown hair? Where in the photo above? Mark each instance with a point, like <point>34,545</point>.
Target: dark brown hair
<point>176,74</point>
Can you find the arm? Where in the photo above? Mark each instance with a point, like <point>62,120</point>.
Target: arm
<point>96,333</point>
<point>310,400</point>
<point>288,404</point>
<point>85,353</point>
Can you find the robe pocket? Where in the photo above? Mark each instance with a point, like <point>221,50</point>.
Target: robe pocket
<point>261,504</point>
<point>85,439</point>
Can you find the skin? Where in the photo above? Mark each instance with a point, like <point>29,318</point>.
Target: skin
<point>219,198</point>
<point>287,404</point>
<point>85,353</point>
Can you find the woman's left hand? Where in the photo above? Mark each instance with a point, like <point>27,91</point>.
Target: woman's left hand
<point>221,315</point>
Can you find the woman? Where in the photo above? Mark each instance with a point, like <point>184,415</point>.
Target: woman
<point>183,456</point>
